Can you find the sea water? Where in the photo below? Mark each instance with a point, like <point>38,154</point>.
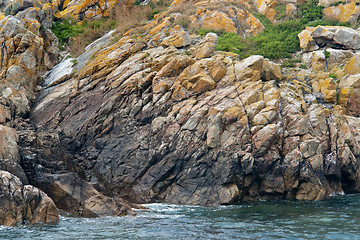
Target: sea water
<point>335,218</point>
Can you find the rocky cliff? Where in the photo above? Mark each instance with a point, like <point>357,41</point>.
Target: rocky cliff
<point>159,115</point>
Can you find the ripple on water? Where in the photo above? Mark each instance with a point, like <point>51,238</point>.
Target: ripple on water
<point>337,218</point>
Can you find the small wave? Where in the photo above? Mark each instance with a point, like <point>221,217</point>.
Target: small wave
<point>161,207</point>
<point>337,194</point>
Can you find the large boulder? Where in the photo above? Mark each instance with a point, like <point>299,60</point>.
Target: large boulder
<point>332,36</point>
<point>51,168</point>
<point>22,204</point>
<point>80,198</point>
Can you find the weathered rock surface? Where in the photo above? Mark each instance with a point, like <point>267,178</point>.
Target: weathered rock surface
<point>160,116</point>
<point>24,203</point>
<point>345,12</point>
<point>153,123</point>
<point>332,36</point>
<point>26,51</point>
<point>49,167</point>
<point>9,154</point>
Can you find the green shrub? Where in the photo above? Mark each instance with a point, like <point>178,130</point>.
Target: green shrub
<point>311,12</point>
<point>279,40</point>
<point>231,42</point>
<point>280,11</point>
<point>326,54</point>
<point>333,75</point>
<point>337,3</point>
<point>290,62</point>
<point>65,30</point>
<point>303,66</point>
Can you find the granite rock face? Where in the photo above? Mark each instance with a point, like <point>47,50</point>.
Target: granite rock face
<point>24,203</point>
<point>332,36</point>
<point>155,123</point>
<point>158,115</point>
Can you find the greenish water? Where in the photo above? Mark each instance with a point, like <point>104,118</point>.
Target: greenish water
<point>336,218</point>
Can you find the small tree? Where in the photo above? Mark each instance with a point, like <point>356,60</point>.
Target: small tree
<point>327,55</point>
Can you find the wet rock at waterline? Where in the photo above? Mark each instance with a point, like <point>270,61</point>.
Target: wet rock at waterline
<point>21,203</point>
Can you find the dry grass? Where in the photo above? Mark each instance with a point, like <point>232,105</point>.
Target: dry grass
<point>127,17</point>
<point>122,17</point>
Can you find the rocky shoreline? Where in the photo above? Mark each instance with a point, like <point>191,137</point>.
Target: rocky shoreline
<point>160,116</point>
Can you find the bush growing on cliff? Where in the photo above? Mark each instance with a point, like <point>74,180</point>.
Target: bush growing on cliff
<point>279,40</point>
<point>66,29</point>
<point>77,35</point>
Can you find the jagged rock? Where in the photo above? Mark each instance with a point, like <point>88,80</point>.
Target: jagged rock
<point>24,47</point>
<point>178,38</point>
<point>230,19</point>
<point>100,205</point>
<point>348,12</point>
<point>84,9</point>
<point>79,197</point>
<point>219,21</point>
<point>317,62</point>
<point>197,118</point>
<point>348,93</point>
<point>291,10</point>
<point>9,154</point>
<point>332,36</point>
<point>255,67</point>
<point>21,204</point>
<point>206,47</point>
<point>353,65</point>
<point>147,120</point>
<point>307,43</point>
<point>265,7</point>
<point>50,168</point>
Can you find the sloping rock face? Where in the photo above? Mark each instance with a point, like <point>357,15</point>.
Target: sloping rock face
<point>24,203</point>
<point>49,167</point>
<point>28,49</point>
<point>155,123</point>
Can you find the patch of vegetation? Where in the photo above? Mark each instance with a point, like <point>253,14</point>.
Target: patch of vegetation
<point>66,29</point>
<point>231,42</point>
<point>311,12</point>
<point>333,75</point>
<point>278,40</point>
<point>337,3</point>
<point>289,63</point>
<point>280,11</point>
<point>302,66</point>
<point>76,35</point>
<point>326,54</point>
